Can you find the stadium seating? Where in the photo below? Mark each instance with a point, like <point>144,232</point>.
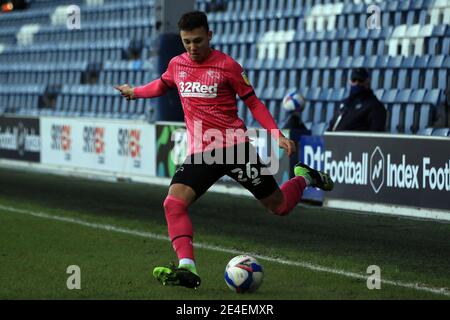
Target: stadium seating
<point>98,101</point>
<point>136,71</point>
<point>49,73</point>
<point>66,52</point>
<point>21,99</point>
<point>443,132</point>
<point>425,131</point>
<point>309,45</point>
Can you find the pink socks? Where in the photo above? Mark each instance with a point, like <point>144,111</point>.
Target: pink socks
<point>179,226</point>
<point>292,192</point>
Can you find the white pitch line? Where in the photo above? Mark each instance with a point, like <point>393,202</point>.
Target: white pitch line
<point>303,264</point>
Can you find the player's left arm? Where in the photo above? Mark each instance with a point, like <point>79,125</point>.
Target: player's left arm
<point>244,89</point>
<point>263,116</point>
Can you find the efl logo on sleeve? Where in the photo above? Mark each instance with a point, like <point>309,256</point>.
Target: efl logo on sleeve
<point>244,76</point>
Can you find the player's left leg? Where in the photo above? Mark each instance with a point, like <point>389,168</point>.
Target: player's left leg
<point>279,200</point>
<point>284,199</point>
<point>247,170</point>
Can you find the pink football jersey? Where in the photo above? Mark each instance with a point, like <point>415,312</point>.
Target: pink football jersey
<point>208,94</point>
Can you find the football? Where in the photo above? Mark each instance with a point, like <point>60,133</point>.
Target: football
<point>244,274</point>
<point>294,102</point>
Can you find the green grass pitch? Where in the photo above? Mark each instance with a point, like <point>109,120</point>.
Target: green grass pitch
<point>116,233</point>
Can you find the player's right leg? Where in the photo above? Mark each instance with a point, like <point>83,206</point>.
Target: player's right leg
<point>181,234</point>
<point>172,275</point>
<point>190,181</point>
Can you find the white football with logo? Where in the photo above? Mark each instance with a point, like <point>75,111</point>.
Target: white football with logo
<point>244,274</point>
<point>294,102</point>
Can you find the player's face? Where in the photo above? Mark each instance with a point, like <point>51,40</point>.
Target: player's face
<point>365,83</point>
<point>196,43</point>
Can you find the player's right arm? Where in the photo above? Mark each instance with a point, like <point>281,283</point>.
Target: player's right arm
<point>126,91</point>
<point>153,89</point>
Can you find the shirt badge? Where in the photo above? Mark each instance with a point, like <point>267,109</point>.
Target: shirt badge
<point>213,74</point>
<point>244,76</point>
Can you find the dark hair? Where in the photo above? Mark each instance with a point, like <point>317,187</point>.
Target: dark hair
<point>193,20</point>
<point>360,74</point>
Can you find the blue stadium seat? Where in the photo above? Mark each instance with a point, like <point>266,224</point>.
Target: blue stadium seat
<point>446,44</point>
<point>425,113</point>
<point>281,85</point>
<point>318,129</point>
<point>339,79</point>
<point>319,112</point>
<point>323,49</point>
<point>388,99</point>
<point>403,79</point>
<point>395,62</point>
<point>379,94</point>
<point>273,106</point>
<point>306,113</point>
<point>61,101</point>
<point>442,132</point>
<point>396,123</point>
<point>390,96</point>
<point>77,100</point>
<point>408,62</point>
<point>337,94</point>
<point>85,100</point>
<point>431,76</point>
<point>141,112</point>
<point>414,110</point>
<point>316,78</point>
<point>418,96</point>
<point>100,108</point>
<point>91,109</point>
<point>425,131</point>
<point>426,108</point>
<point>409,127</point>
<point>404,96</point>
<point>402,116</point>
<point>330,110</point>
<point>446,64</point>
<point>305,78</point>
<point>110,110</point>
<point>388,79</point>
<point>410,17</point>
<point>433,97</point>
<point>313,94</point>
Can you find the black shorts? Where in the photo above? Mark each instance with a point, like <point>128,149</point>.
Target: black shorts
<point>200,172</point>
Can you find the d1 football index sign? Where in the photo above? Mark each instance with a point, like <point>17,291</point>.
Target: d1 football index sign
<point>400,170</point>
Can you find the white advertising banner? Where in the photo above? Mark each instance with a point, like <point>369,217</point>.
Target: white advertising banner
<point>117,146</point>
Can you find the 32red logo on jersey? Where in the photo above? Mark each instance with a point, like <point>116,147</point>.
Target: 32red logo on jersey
<point>198,90</point>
